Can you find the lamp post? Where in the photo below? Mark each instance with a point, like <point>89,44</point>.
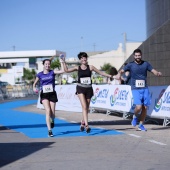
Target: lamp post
<point>125,40</point>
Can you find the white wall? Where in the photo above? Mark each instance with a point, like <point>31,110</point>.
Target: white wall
<point>8,77</point>
<point>115,57</point>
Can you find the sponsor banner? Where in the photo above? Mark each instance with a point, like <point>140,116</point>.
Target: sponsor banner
<point>112,97</point>
<point>160,102</point>
<point>100,98</point>
<point>67,99</point>
<point>120,98</point>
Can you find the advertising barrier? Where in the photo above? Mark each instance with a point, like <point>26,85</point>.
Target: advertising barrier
<point>114,97</point>
<point>160,106</point>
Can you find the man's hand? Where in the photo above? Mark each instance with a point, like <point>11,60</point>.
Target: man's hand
<point>159,74</point>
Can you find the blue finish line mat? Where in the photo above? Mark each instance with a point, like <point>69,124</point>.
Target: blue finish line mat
<point>34,125</point>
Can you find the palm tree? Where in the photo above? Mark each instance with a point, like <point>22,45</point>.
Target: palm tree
<point>55,64</point>
<point>74,75</point>
<point>29,75</point>
<point>106,67</point>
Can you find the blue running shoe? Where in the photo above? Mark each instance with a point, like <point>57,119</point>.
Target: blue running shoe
<point>141,128</point>
<point>134,121</point>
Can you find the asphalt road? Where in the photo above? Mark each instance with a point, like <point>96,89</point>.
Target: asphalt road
<point>131,150</point>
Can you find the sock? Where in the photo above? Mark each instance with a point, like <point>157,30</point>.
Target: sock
<point>140,123</point>
<point>134,116</point>
<point>52,119</point>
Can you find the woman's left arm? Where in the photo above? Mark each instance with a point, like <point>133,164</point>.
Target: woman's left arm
<point>59,71</point>
<point>92,68</point>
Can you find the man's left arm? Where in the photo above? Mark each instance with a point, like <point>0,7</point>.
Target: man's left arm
<point>156,73</point>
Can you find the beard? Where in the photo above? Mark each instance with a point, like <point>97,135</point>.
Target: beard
<point>138,60</point>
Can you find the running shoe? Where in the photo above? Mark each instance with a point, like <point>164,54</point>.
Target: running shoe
<point>141,128</point>
<point>50,133</point>
<point>82,126</point>
<point>88,129</point>
<point>134,121</point>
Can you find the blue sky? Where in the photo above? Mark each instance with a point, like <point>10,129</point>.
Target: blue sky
<point>70,25</point>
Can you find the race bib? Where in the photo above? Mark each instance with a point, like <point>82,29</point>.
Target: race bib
<point>85,80</point>
<point>140,83</point>
<point>47,88</point>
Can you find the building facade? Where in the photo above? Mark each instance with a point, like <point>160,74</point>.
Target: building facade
<point>156,48</point>
<point>115,57</point>
<point>13,62</point>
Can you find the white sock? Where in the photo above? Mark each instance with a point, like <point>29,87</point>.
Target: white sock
<point>134,116</point>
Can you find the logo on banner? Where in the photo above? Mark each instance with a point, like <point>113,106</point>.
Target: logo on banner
<point>94,98</point>
<point>114,97</point>
<point>158,101</point>
<point>119,97</point>
<point>102,94</point>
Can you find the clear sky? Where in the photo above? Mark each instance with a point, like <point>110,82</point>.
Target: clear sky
<point>70,25</point>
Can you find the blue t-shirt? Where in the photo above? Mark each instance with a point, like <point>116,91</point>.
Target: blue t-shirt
<point>138,72</point>
<point>46,79</point>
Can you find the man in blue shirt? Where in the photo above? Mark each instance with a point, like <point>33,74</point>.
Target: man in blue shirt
<point>138,71</point>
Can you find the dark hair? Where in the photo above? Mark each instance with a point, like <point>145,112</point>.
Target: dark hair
<point>46,60</point>
<point>82,54</point>
<point>137,51</point>
<point>113,71</point>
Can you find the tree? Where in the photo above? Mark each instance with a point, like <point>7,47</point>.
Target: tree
<point>74,75</point>
<point>29,75</point>
<point>55,64</point>
<point>106,67</point>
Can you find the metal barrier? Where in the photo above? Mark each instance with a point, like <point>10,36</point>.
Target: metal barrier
<point>16,91</point>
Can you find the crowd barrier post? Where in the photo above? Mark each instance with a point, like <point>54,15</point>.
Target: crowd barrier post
<point>125,115</point>
<point>1,95</point>
<point>166,121</point>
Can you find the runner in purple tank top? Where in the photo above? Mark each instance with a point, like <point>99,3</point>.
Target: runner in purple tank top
<point>48,95</point>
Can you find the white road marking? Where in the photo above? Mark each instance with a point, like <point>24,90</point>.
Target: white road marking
<point>136,136</point>
<point>73,121</point>
<point>159,143</point>
<point>100,127</point>
<point>61,118</point>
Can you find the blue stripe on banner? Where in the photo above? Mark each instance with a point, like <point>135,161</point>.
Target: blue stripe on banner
<point>34,126</point>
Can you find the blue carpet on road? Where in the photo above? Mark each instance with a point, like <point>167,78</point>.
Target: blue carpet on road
<point>33,125</point>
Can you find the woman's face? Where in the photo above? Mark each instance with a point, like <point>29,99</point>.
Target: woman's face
<point>47,65</point>
<point>83,60</point>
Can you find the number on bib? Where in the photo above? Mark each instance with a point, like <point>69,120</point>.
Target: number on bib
<point>85,80</point>
<point>47,88</point>
<point>140,83</point>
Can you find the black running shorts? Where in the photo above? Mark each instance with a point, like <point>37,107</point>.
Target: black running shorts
<point>87,91</point>
<point>51,96</point>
